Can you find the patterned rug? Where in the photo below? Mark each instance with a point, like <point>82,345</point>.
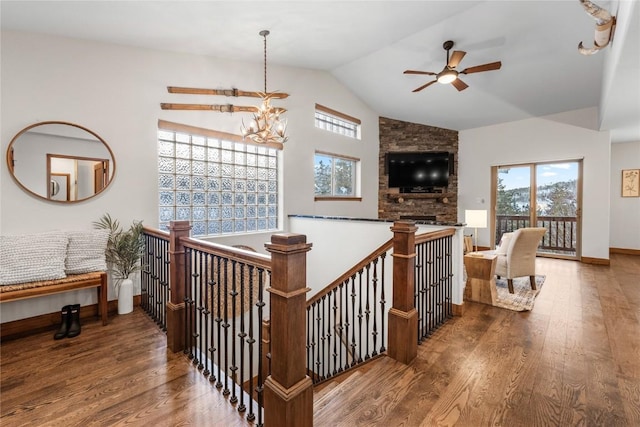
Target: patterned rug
<point>523,296</point>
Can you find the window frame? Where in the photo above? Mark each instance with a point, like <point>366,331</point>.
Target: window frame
<point>340,117</point>
<point>355,179</point>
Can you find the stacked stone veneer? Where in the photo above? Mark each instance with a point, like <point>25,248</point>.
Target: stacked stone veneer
<point>396,135</point>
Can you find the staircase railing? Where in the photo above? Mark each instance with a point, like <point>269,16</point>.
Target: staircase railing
<point>346,321</point>
<point>216,309</point>
<point>433,280</point>
<point>225,303</point>
<point>154,277</point>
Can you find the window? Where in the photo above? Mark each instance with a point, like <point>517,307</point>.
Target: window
<point>337,122</point>
<point>217,182</point>
<point>335,176</point>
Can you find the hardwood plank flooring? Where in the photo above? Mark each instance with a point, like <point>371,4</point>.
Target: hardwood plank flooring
<point>574,360</point>
<point>119,374</point>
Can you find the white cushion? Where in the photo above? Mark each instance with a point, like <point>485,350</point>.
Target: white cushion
<point>32,257</point>
<point>504,243</point>
<point>86,251</point>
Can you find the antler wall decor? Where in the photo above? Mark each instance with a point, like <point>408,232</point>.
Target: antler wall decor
<point>605,24</point>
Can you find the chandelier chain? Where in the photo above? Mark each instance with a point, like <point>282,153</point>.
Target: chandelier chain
<point>265,63</point>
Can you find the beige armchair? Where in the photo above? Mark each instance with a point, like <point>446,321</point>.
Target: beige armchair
<point>517,255</point>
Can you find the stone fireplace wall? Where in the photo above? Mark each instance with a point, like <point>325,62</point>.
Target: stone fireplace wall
<point>396,135</point>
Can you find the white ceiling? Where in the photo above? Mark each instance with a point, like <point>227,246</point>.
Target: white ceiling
<point>368,44</point>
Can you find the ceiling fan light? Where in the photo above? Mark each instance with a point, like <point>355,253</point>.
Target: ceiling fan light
<point>447,76</point>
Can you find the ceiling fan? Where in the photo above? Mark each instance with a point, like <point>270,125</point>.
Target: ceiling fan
<point>449,73</point>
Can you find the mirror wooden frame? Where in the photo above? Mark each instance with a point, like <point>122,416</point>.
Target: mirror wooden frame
<point>11,161</point>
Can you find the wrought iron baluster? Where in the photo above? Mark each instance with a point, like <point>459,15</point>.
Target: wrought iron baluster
<point>329,329</point>
<point>440,279</point>
<point>316,341</point>
<point>336,329</point>
<point>322,333</point>
<point>450,276</point>
<point>242,335</point>
<point>430,289</point>
<point>374,333</point>
<point>234,298</point>
<point>157,307</point>
<point>219,319</point>
<point>341,327</point>
<point>309,348</point>
<point>367,312</point>
<point>225,326</point>
<point>418,291</point>
<point>205,311</point>
<point>382,304</point>
<point>251,342</point>
<point>360,317</point>
<point>353,317</point>
<point>346,325</point>
<point>200,283</point>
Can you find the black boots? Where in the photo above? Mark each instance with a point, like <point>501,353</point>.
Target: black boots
<point>70,324</point>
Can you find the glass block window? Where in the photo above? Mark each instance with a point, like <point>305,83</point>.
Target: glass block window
<point>337,122</point>
<point>220,185</point>
<point>335,176</point>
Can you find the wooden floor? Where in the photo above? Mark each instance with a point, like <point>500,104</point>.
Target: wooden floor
<point>574,360</point>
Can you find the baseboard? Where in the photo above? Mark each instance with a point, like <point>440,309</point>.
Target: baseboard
<point>458,310</point>
<point>51,321</point>
<point>624,251</point>
<point>595,261</point>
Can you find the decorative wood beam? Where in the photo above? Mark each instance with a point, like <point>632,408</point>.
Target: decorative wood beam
<point>225,92</point>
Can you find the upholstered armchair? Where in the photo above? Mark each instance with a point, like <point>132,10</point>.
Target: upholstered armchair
<point>517,254</point>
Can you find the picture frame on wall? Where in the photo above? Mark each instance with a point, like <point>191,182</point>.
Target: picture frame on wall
<point>631,183</point>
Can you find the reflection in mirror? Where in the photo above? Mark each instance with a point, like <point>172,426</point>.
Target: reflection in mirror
<point>87,177</point>
<point>60,161</point>
<point>60,186</point>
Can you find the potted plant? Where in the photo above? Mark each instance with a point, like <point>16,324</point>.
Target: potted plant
<point>123,255</point>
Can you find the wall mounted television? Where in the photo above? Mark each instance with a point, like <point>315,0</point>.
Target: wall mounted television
<point>419,172</point>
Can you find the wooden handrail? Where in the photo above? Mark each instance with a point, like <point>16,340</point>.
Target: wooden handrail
<point>160,234</point>
<point>352,271</point>
<point>434,235</point>
<point>234,254</point>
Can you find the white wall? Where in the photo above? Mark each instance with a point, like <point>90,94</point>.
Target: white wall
<point>116,92</point>
<point>564,136</point>
<point>625,211</point>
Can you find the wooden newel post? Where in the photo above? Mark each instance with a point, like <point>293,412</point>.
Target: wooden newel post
<point>403,317</point>
<point>176,306</point>
<point>288,394</point>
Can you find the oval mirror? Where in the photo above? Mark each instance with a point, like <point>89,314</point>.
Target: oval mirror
<point>60,161</point>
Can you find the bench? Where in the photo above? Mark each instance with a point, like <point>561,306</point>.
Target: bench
<point>72,282</point>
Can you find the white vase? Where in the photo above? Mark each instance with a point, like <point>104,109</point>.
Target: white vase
<point>125,296</point>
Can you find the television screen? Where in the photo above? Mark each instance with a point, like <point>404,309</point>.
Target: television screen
<point>422,171</point>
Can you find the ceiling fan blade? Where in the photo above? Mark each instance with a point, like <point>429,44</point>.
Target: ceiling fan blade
<point>459,84</point>
<point>485,67</point>
<point>427,73</point>
<point>456,57</point>
<point>424,86</point>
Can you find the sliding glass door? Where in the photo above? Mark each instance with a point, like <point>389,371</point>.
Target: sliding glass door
<point>541,195</point>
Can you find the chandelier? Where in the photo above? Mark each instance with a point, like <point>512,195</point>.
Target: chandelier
<point>266,125</point>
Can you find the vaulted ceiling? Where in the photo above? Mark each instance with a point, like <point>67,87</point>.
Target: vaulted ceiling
<point>368,44</point>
